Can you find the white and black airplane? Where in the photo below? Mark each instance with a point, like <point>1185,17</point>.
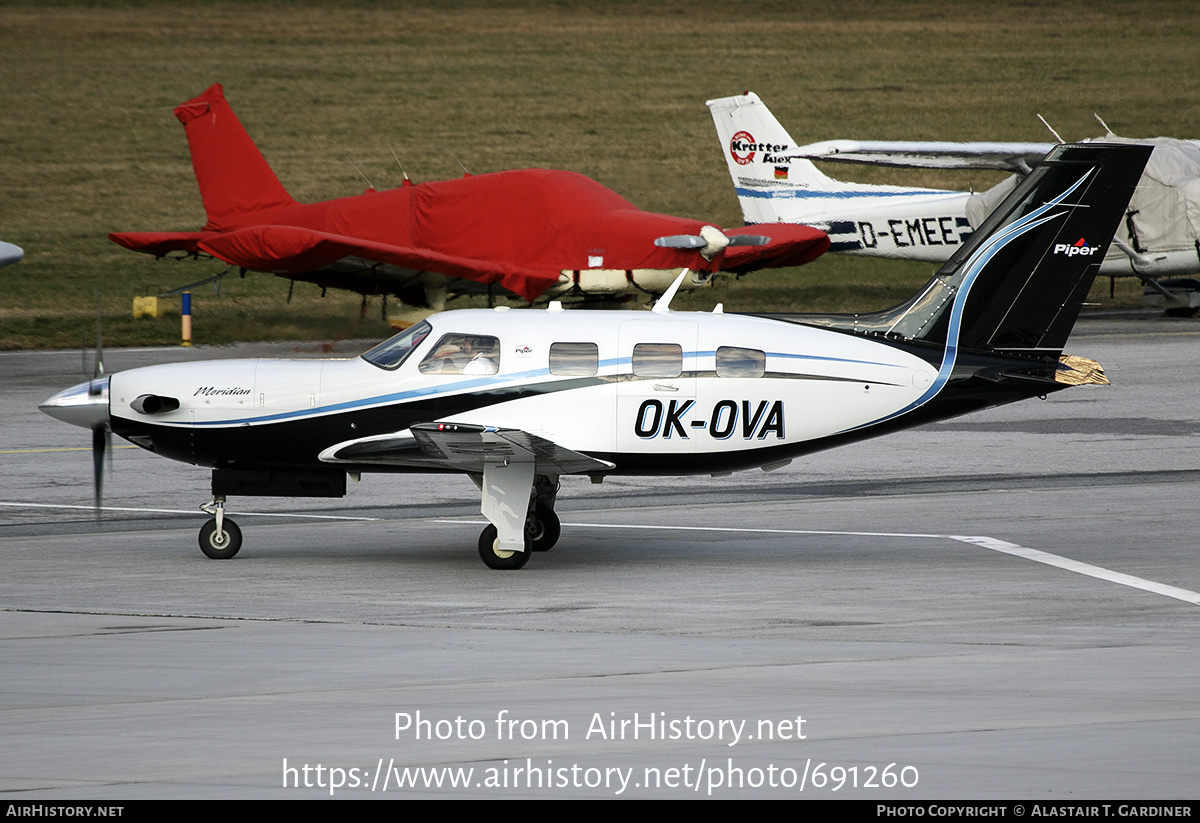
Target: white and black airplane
<point>516,399</point>
<point>777,182</point>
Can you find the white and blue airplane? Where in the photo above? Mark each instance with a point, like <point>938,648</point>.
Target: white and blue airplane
<point>777,182</point>
<point>515,399</point>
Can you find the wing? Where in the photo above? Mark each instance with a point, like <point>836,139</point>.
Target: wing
<point>1015,157</point>
<point>300,253</point>
<point>788,244</point>
<point>462,447</point>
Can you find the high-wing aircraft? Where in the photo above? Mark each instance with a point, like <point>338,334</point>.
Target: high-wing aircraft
<point>10,253</point>
<point>777,182</point>
<point>516,399</point>
<point>529,233</point>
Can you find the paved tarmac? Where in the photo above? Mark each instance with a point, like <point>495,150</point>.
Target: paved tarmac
<point>1000,606</point>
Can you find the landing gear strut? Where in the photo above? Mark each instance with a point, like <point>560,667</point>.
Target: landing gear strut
<point>220,538</point>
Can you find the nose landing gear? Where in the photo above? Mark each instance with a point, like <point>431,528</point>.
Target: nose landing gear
<point>220,538</point>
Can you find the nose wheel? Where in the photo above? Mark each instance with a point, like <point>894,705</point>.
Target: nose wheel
<point>220,544</point>
<point>220,538</point>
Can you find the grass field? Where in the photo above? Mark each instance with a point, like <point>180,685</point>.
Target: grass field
<point>88,144</point>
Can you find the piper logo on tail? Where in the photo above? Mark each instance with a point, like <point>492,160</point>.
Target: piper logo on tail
<point>1079,247</point>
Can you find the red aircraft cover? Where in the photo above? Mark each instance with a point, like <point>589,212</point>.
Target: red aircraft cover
<point>519,228</point>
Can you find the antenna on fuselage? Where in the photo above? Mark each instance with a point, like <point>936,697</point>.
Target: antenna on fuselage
<point>1052,131</point>
<point>406,182</point>
<point>460,165</point>
<point>663,306</point>
<point>370,187</point>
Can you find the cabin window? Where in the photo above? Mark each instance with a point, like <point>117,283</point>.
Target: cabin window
<point>395,350</point>
<point>463,354</point>
<point>658,360</point>
<point>735,362</point>
<point>574,359</point>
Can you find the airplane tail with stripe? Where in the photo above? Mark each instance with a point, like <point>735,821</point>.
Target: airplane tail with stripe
<point>235,180</point>
<point>1017,285</point>
<point>757,151</point>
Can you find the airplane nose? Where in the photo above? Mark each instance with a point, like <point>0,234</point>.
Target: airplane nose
<point>85,405</point>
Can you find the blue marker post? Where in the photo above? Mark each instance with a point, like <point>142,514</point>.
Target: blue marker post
<point>186,312</point>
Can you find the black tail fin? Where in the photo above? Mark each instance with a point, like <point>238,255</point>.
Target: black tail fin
<point>1017,285</point>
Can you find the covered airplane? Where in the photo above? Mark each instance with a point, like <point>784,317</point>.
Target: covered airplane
<point>518,398</point>
<point>776,182</point>
<point>530,233</point>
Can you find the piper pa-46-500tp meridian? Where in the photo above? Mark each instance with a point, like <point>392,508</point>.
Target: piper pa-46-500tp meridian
<point>516,399</point>
<point>528,233</point>
<point>777,182</point>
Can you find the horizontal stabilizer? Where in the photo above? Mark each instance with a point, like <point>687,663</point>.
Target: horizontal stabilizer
<point>1074,370</point>
<point>159,243</point>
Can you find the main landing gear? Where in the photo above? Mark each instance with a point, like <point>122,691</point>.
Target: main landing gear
<point>520,508</point>
<point>220,538</point>
<point>542,530</point>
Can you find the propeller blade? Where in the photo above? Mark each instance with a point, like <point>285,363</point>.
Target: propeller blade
<point>98,371</point>
<point>681,241</point>
<point>710,242</point>
<point>101,444</point>
<point>748,240</point>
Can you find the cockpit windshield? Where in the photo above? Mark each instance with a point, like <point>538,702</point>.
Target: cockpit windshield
<point>392,352</point>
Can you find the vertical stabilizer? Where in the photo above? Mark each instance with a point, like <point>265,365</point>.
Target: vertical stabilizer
<point>1018,284</point>
<point>234,178</point>
<point>757,151</point>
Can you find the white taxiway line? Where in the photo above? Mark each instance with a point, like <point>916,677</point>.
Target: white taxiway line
<point>183,511</point>
<point>992,543</point>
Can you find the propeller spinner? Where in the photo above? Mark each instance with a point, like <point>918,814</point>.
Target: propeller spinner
<point>86,406</point>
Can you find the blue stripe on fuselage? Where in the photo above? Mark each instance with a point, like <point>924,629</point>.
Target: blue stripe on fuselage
<point>808,194</point>
<point>488,383</point>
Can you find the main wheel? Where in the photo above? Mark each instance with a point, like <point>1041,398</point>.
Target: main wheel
<point>542,528</point>
<point>493,557</point>
<point>220,546</point>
